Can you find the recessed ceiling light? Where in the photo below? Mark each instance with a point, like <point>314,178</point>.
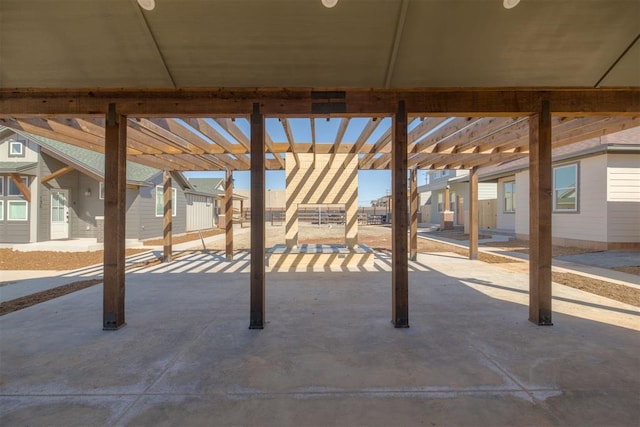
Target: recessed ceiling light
<point>147,4</point>
<point>329,3</point>
<point>510,4</point>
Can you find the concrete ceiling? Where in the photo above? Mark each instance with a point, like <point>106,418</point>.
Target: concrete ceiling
<point>299,43</point>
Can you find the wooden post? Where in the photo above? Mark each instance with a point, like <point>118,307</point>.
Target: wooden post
<point>228,214</point>
<point>115,179</point>
<point>400,264</point>
<point>447,197</point>
<point>257,220</point>
<point>540,183</point>
<point>413,233</point>
<point>473,213</point>
<point>167,218</point>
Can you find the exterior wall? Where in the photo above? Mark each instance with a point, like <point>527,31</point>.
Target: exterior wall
<point>18,231</point>
<point>151,226</point>
<point>623,198</point>
<point>586,227</point>
<point>506,220</point>
<point>31,150</point>
<point>199,212</point>
<point>69,182</point>
<point>326,183</point>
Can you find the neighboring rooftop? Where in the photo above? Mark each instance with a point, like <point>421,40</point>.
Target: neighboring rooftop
<point>89,160</point>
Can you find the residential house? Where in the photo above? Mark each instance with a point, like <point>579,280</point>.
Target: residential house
<point>50,190</point>
<point>432,198</point>
<point>596,193</point>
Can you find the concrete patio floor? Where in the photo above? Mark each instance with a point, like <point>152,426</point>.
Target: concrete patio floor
<point>328,356</point>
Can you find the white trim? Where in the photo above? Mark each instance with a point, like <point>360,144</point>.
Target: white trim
<point>2,185</point>
<point>101,191</point>
<point>174,201</point>
<point>1,210</point>
<point>513,196</point>
<point>10,202</point>
<point>16,144</point>
<point>554,190</point>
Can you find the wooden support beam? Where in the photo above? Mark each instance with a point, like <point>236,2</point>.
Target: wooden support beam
<point>57,174</point>
<point>413,232</point>
<point>400,214</point>
<point>286,125</point>
<point>24,190</point>
<point>115,182</point>
<point>182,102</point>
<point>257,313</point>
<point>167,222</point>
<point>228,214</point>
<point>540,188</point>
<point>473,213</point>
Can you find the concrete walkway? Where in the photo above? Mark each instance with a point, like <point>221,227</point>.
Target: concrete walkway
<point>328,355</point>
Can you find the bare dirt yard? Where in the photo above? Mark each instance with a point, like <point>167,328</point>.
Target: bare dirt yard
<point>377,237</point>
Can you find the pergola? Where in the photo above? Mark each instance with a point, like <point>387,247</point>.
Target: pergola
<point>143,86</point>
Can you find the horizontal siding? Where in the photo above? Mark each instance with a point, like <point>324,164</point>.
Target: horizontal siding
<point>590,222</point>
<point>14,232</point>
<point>624,221</point>
<point>152,226</point>
<point>623,178</point>
<point>487,191</point>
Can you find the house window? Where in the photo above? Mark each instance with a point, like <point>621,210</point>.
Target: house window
<point>101,191</point>
<point>1,210</point>
<point>1,185</point>
<point>160,201</point>
<point>13,188</point>
<point>16,149</point>
<point>565,188</point>
<point>510,197</point>
<point>440,202</point>
<point>17,210</point>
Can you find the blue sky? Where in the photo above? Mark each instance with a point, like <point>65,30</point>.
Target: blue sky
<point>372,184</point>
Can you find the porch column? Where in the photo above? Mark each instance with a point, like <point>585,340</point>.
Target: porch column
<point>257,220</point>
<point>400,263</point>
<point>473,213</point>
<point>115,180</point>
<point>228,214</point>
<point>167,218</point>
<point>540,180</point>
<point>413,232</point>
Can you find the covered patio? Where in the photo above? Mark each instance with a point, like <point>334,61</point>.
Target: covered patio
<point>460,84</point>
<point>328,355</point>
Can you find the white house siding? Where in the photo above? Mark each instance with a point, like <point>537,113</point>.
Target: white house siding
<point>522,204</point>
<point>199,212</point>
<point>590,222</point>
<point>623,200</point>
<point>505,220</point>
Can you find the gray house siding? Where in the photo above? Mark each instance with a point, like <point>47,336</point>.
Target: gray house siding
<point>16,231</point>
<point>150,225</point>
<point>69,182</point>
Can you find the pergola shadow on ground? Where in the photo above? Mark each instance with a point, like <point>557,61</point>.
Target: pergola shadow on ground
<point>328,356</point>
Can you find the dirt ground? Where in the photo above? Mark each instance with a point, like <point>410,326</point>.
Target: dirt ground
<point>522,246</point>
<point>378,237</point>
<point>46,260</point>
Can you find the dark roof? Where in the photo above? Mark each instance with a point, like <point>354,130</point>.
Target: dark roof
<point>628,139</point>
<point>208,186</point>
<point>25,168</point>
<point>90,160</point>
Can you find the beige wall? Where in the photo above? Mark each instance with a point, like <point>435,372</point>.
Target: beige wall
<point>623,200</point>
<point>506,220</point>
<point>322,182</point>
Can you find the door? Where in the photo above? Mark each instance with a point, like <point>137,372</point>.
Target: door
<point>59,214</point>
